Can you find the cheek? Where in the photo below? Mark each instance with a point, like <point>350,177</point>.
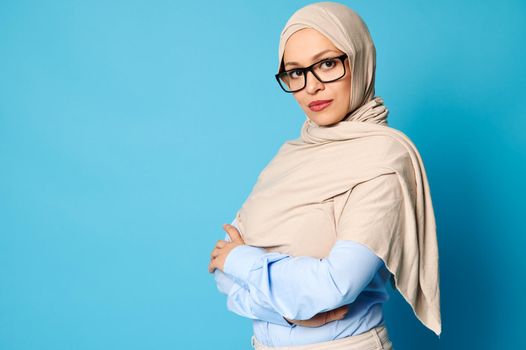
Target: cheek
<point>346,93</point>
<point>343,95</point>
<point>300,99</point>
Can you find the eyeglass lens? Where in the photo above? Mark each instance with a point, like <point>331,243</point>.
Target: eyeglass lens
<point>326,71</point>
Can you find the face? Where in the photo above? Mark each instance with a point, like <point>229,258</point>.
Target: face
<point>308,46</point>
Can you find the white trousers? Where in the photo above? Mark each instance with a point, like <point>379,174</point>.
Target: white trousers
<point>376,338</point>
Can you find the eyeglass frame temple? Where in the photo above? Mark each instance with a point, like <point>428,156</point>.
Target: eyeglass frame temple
<point>310,69</point>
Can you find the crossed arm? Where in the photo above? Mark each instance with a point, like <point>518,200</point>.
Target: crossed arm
<point>270,286</point>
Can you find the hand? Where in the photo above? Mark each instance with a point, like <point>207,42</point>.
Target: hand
<point>223,248</point>
<point>323,317</point>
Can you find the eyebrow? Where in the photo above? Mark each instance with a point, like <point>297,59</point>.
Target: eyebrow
<point>313,57</point>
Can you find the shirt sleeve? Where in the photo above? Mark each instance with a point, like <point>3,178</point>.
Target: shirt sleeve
<point>238,297</point>
<point>301,287</point>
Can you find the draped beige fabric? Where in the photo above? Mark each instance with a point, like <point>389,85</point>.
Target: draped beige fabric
<point>296,204</point>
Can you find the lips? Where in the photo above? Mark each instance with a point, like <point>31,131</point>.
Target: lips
<point>319,105</point>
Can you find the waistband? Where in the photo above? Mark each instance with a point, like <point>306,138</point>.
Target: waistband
<point>376,337</point>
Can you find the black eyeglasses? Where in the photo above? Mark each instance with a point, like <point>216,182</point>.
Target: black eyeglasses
<point>326,71</point>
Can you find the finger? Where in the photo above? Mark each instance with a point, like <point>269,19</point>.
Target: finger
<point>212,266</point>
<point>221,243</point>
<point>215,253</point>
<point>343,310</point>
<point>312,323</point>
<point>339,313</point>
<point>217,250</point>
<point>327,317</point>
<point>234,234</point>
<point>343,307</point>
<point>299,322</point>
<point>315,321</point>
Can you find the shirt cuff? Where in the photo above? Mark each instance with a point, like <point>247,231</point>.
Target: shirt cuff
<point>271,316</point>
<point>223,282</point>
<point>241,259</point>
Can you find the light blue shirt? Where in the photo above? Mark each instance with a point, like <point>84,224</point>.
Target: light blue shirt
<point>266,286</point>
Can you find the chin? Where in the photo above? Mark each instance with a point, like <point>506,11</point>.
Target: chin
<point>324,120</point>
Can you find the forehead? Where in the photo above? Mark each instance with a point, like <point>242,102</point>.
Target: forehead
<point>304,44</point>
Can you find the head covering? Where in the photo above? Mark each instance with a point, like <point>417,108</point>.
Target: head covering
<point>348,32</point>
<point>296,195</point>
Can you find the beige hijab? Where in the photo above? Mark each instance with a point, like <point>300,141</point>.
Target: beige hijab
<point>296,203</point>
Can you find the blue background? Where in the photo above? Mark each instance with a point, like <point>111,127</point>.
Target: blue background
<point>130,131</point>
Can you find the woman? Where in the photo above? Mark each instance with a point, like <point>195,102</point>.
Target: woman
<point>336,212</point>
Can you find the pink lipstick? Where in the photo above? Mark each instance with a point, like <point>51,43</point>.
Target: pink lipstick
<point>319,105</point>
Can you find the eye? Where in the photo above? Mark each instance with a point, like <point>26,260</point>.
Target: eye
<point>295,74</point>
<point>328,64</point>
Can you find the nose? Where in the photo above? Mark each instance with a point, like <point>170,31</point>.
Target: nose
<point>313,84</point>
